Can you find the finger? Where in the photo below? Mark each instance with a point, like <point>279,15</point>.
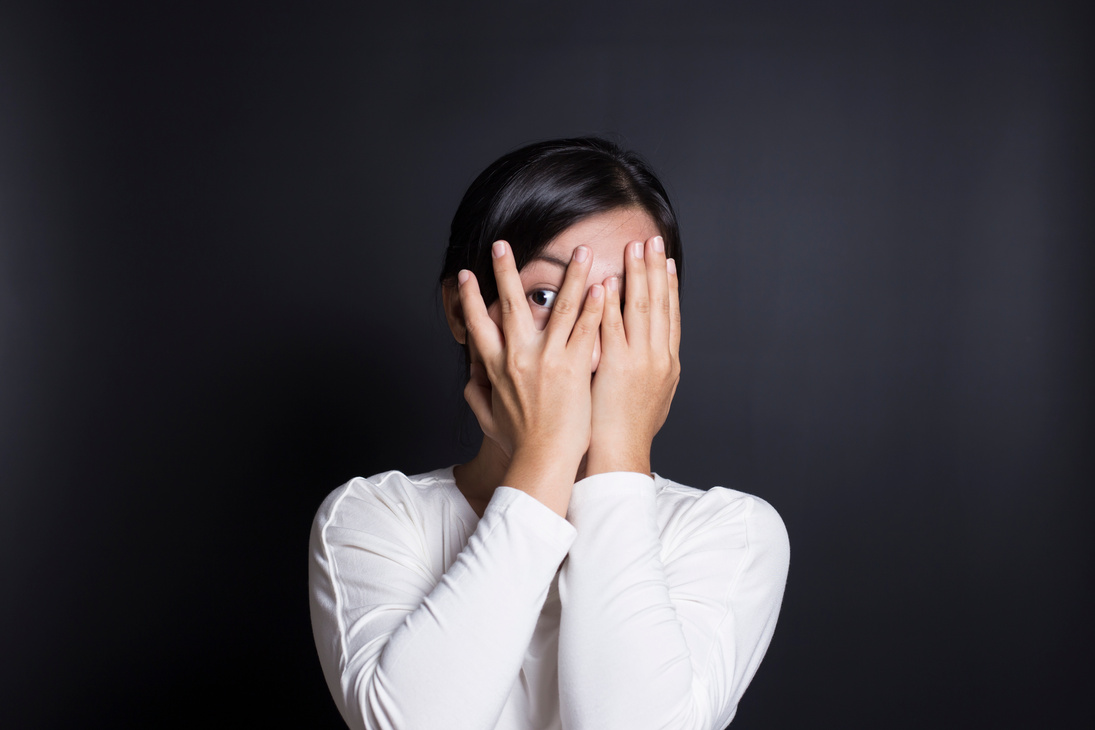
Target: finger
<point>674,308</point>
<point>637,306</point>
<point>568,303</point>
<point>584,333</point>
<point>658,290</point>
<point>516,318</point>
<point>613,338</point>
<point>482,332</point>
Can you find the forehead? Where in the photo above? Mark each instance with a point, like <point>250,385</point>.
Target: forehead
<point>605,234</point>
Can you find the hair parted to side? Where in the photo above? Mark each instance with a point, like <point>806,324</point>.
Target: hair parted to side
<point>531,195</point>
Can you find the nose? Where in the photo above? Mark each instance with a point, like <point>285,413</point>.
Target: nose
<point>596,353</point>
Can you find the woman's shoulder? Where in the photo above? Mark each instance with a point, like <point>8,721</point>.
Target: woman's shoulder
<point>717,508</point>
<point>390,493</point>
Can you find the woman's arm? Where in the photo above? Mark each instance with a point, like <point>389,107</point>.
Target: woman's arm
<point>647,643</point>
<point>404,647</point>
<point>665,635</point>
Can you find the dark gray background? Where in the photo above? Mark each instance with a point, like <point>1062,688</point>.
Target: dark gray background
<point>219,230</point>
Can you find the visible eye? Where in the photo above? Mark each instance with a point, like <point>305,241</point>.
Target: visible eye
<point>542,297</point>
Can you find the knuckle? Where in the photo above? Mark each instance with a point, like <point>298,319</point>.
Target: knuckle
<point>582,329</point>
<point>516,363</point>
<point>473,329</point>
<point>614,325</point>
<point>562,307</point>
<point>641,305</point>
<point>564,365</point>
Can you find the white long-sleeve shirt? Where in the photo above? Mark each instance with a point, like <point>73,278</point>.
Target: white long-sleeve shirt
<point>426,616</point>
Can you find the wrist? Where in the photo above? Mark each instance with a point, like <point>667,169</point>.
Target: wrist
<point>607,457</point>
<point>543,475</point>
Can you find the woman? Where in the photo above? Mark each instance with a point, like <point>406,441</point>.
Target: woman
<point>553,580</point>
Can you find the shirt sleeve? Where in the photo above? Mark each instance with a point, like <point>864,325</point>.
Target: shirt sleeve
<point>401,648</point>
<point>668,635</point>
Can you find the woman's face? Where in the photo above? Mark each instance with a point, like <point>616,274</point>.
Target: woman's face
<point>605,234</point>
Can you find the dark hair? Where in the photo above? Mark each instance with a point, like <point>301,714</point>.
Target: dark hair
<point>531,195</point>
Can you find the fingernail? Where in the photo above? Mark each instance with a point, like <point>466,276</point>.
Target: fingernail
<point>613,284</point>
<point>581,254</point>
<point>671,265</point>
<point>498,250</point>
<point>595,291</point>
<point>659,244</point>
<point>637,249</point>
<point>463,275</point>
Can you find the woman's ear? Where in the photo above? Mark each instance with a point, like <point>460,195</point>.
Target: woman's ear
<point>454,313</point>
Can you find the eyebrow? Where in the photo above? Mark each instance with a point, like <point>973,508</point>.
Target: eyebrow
<point>564,264</point>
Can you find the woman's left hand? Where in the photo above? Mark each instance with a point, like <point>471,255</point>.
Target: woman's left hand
<point>640,364</point>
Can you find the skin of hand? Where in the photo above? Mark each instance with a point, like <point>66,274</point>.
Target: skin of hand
<point>640,362</point>
<point>530,388</point>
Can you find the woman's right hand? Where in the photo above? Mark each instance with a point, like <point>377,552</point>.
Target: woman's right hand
<point>538,407</point>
